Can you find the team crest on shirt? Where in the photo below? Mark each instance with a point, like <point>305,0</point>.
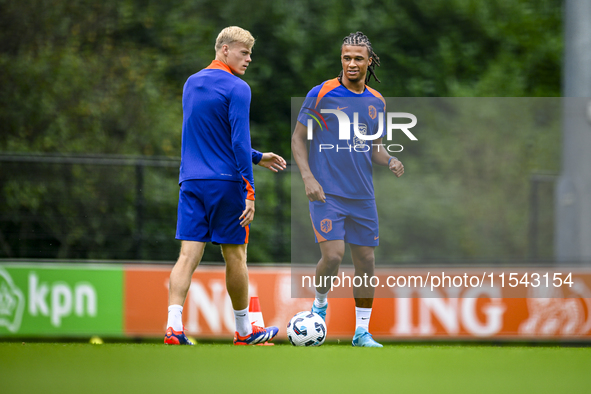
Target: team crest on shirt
<point>373,112</point>
<point>363,131</point>
<point>326,225</point>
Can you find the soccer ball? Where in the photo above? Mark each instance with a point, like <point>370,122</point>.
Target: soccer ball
<point>306,329</point>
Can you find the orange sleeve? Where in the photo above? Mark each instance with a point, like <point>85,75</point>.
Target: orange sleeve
<point>377,94</point>
<point>327,87</point>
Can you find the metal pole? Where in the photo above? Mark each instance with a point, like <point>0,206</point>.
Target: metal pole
<point>533,218</point>
<point>573,193</point>
<point>139,210</point>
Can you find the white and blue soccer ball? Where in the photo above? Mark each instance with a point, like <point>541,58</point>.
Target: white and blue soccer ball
<point>306,329</point>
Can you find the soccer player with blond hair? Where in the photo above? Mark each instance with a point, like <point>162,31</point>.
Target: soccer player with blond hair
<point>217,193</point>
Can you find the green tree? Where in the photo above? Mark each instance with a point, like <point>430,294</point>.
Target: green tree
<point>106,78</point>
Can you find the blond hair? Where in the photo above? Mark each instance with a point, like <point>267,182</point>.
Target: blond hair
<point>234,34</point>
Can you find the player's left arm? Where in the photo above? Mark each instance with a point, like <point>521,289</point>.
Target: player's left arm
<point>238,116</point>
<point>381,157</point>
<point>272,161</point>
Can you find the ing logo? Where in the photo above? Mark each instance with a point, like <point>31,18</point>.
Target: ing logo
<point>373,112</point>
<point>326,225</point>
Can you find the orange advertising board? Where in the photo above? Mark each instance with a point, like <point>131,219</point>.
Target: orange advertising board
<point>208,310</point>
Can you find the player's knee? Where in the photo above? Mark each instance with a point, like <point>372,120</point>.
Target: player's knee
<point>332,260</point>
<point>366,263</point>
<point>190,255</point>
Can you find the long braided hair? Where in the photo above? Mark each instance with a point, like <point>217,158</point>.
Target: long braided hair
<point>360,39</point>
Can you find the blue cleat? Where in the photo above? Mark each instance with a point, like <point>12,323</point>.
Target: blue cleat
<point>364,339</point>
<point>173,337</point>
<point>259,335</point>
<point>320,311</point>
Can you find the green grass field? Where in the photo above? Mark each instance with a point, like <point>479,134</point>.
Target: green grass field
<point>218,368</point>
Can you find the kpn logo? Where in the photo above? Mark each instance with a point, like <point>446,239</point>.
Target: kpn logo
<point>360,140</point>
<point>34,305</point>
<point>12,303</point>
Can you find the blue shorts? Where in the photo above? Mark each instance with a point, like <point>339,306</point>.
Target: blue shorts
<point>351,220</point>
<point>209,211</point>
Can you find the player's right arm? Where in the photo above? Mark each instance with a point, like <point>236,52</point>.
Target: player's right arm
<point>299,148</point>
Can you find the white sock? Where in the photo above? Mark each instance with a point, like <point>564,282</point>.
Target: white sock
<point>175,317</point>
<point>362,316</point>
<point>243,325</point>
<point>320,300</point>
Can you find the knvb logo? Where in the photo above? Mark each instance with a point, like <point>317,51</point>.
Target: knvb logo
<point>326,225</point>
<point>360,131</point>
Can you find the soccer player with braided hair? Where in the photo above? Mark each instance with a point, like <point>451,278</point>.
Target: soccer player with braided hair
<point>338,182</point>
<point>360,39</point>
